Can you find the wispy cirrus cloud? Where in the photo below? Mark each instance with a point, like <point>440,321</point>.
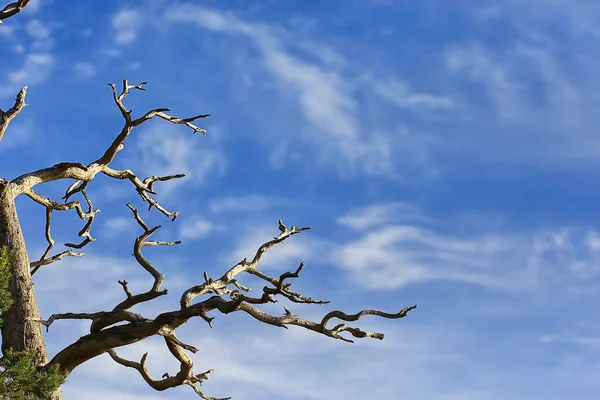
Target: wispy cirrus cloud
<point>399,93</point>
<point>84,69</point>
<point>117,225</point>
<point>41,35</point>
<point>162,149</point>
<point>381,214</point>
<point>532,91</point>
<point>324,92</point>
<point>195,227</point>
<point>283,257</point>
<point>125,24</point>
<point>250,203</point>
<point>393,254</point>
<point>243,203</point>
<point>36,69</point>
<point>37,61</point>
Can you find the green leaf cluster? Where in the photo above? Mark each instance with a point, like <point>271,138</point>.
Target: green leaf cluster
<point>20,378</point>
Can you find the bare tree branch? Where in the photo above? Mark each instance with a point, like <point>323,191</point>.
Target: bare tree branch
<point>184,376</point>
<point>36,265</point>
<point>114,316</point>
<point>7,116</point>
<point>145,187</point>
<point>12,9</point>
<point>117,144</point>
<point>82,174</point>
<point>219,286</point>
<point>105,336</point>
<point>84,232</point>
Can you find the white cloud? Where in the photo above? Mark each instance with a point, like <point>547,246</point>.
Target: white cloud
<point>396,246</point>
<point>242,203</point>
<point>195,227</point>
<point>503,91</point>
<point>18,48</point>
<point>584,341</point>
<point>251,360</point>
<point>119,224</point>
<point>524,92</point>
<point>248,357</point>
<point>38,62</point>
<point>36,69</point>
<point>323,53</point>
<point>378,214</point>
<point>593,241</point>
<point>487,12</point>
<point>399,93</point>
<point>6,30</point>
<point>41,35</point>
<point>82,392</point>
<point>572,249</point>
<point>110,53</point>
<point>323,94</point>
<point>134,66</point>
<point>283,257</point>
<point>84,69</point>
<point>34,6</point>
<point>164,149</point>
<point>21,132</point>
<point>500,72</point>
<point>395,255</point>
<point>112,191</point>
<point>125,24</point>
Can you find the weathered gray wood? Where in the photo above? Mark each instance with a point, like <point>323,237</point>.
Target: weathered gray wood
<point>20,330</point>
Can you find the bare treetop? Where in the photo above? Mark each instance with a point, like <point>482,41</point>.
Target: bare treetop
<point>225,294</point>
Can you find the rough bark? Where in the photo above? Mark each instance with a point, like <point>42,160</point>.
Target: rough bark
<point>19,331</point>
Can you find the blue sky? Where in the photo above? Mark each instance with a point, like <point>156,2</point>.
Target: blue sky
<point>445,154</point>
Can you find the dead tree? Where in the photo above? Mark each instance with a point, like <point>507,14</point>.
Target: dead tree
<point>225,294</point>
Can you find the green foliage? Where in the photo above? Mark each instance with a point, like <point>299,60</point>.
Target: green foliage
<point>5,299</point>
<point>20,380</point>
<point>19,377</point>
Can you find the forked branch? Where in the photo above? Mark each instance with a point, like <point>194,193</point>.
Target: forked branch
<point>51,205</point>
<point>105,336</point>
<point>83,174</point>
<point>226,294</point>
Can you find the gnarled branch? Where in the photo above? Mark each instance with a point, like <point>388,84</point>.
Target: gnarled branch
<point>185,376</point>
<point>83,174</point>
<point>11,113</point>
<point>105,336</point>
<point>52,205</point>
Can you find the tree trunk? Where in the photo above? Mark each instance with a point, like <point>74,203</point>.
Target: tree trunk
<point>18,331</point>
